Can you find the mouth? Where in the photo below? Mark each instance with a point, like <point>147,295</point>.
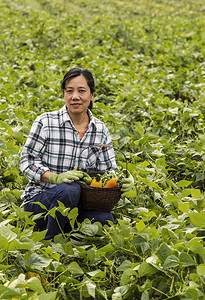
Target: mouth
<point>75,105</point>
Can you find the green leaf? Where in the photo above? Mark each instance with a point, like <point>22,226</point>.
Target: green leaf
<point>41,205</point>
<point>145,296</point>
<point>196,193</point>
<point>106,249</point>
<point>48,296</point>
<point>139,240</point>
<point>161,163</point>
<point>9,292</point>
<point>147,285</point>
<point>90,288</point>
<point>127,275</point>
<point>2,145</point>
<point>5,267</point>
<point>108,262</point>
<point>145,164</point>
<point>39,261</point>
<point>139,128</point>
<point>7,233</point>
<point>121,290</point>
<point>51,212</point>
<point>97,274</point>
<point>186,260</point>
<point>163,252</point>
<point>140,225</point>
<point>72,215</point>
<point>184,183</point>
<point>145,269</point>
<point>191,294</point>
<point>131,194</point>
<point>172,198</point>
<point>74,268</point>
<point>4,244</point>
<point>124,265</point>
<point>155,186</point>
<point>35,285</point>
<point>171,262</point>
<point>201,270</point>
<point>62,249</point>
<point>89,229</point>
<point>197,219</point>
<point>17,245</point>
<point>183,207</point>
<point>197,247</point>
<point>117,296</point>
<point>38,235</point>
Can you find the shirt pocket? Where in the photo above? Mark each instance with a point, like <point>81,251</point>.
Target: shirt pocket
<point>92,158</point>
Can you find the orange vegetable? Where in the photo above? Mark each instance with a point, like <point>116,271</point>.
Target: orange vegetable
<point>111,183</point>
<point>96,182</point>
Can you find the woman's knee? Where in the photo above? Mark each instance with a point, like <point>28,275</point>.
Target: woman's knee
<point>69,194</point>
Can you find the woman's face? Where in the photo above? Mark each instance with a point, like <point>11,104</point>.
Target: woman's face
<point>77,95</point>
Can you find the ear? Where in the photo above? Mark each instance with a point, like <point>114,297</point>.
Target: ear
<point>92,96</point>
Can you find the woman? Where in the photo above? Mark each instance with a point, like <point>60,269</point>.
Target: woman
<point>59,142</point>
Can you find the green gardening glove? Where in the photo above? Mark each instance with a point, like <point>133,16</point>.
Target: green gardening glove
<point>66,177</point>
<point>127,184</point>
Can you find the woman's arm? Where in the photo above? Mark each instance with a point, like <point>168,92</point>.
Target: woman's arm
<point>45,176</point>
<point>30,161</point>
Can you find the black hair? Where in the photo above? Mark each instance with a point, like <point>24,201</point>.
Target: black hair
<point>74,72</point>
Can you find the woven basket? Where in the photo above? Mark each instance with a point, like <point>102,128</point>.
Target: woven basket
<point>97,198</point>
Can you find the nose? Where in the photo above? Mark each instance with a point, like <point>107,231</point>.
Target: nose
<point>75,95</point>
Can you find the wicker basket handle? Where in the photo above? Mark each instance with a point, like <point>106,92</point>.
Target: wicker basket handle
<point>107,146</point>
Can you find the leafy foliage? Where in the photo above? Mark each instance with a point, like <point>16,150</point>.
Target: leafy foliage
<point>147,58</point>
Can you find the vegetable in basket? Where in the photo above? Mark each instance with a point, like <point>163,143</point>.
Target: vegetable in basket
<point>96,182</point>
<point>86,178</point>
<point>112,179</point>
<point>111,183</point>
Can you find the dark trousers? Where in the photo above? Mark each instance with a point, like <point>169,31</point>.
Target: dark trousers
<point>69,195</point>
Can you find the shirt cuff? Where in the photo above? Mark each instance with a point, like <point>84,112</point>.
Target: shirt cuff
<point>40,172</point>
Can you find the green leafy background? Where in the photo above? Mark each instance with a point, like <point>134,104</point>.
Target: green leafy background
<point>147,58</point>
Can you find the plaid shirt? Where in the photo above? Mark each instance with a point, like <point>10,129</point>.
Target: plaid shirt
<point>53,144</point>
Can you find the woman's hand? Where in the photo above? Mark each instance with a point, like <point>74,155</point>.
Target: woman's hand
<point>127,184</point>
<point>66,177</point>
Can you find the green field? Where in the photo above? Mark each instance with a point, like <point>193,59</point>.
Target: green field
<point>148,60</point>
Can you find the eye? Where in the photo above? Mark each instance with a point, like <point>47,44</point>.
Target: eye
<point>69,91</point>
<point>82,91</point>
